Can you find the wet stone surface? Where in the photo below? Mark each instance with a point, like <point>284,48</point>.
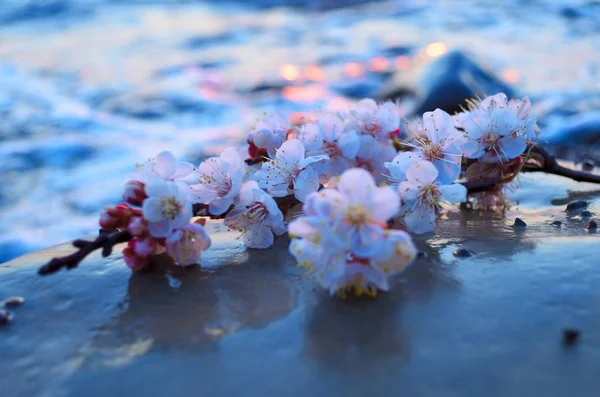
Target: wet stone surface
<point>249,323</point>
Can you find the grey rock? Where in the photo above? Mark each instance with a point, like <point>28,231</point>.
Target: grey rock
<point>519,223</point>
<point>576,206</point>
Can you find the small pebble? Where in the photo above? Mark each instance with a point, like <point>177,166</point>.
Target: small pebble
<point>5,318</point>
<point>587,165</point>
<point>570,336</point>
<point>557,223</point>
<point>575,206</point>
<point>519,223</point>
<point>13,301</point>
<point>592,225</point>
<point>586,214</point>
<point>462,253</point>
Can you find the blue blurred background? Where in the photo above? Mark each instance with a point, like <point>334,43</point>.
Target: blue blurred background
<point>88,88</point>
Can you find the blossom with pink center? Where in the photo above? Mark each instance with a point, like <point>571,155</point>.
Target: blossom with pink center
<point>497,130</point>
<point>270,132</point>
<point>219,180</point>
<point>290,172</point>
<point>165,166</point>
<point>378,120</point>
<point>422,197</point>
<point>168,207</point>
<point>187,243</point>
<point>328,137</point>
<point>256,215</point>
<point>494,136</point>
<point>341,272</point>
<point>440,143</point>
<point>343,240</point>
<point>372,156</point>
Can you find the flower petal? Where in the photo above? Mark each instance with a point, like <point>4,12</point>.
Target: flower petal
<point>160,229</point>
<point>473,149</point>
<point>422,173</point>
<point>292,151</point>
<point>408,192</point>
<point>156,187</point>
<point>357,185</point>
<point>448,171</point>
<point>152,209</point>
<point>384,204</point>
<point>183,169</point>
<point>305,183</point>
<point>219,206</point>
<point>512,147</point>
<point>401,163</point>
<point>455,193</point>
<point>166,164</point>
<point>420,220</point>
<point>258,236</point>
<point>349,144</point>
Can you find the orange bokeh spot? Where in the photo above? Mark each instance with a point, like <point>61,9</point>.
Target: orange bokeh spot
<point>314,73</point>
<point>510,75</point>
<point>354,69</point>
<point>309,93</point>
<point>378,64</point>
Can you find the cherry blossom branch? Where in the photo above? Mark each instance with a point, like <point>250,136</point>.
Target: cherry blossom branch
<point>543,161</point>
<point>106,241</point>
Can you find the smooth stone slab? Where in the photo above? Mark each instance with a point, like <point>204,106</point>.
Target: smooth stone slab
<point>249,324</point>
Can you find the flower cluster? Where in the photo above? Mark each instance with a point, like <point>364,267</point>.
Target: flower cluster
<point>361,179</point>
<point>343,238</point>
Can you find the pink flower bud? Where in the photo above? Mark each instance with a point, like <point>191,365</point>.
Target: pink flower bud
<point>134,193</point>
<point>137,226</point>
<point>143,246</point>
<point>115,217</point>
<point>134,261</point>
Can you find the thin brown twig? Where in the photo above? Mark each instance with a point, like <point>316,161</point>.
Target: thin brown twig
<point>106,241</point>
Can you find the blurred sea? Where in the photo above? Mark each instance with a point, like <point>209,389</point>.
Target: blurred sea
<point>88,88</point>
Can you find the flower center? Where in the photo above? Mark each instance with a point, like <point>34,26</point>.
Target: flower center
<point>222,186</point>
<point>332,149</point>
<point>364,164</point>
<point>170,207</point>
<point>429,195</point>
<point>432,151</point>
<point>257,212</point>
<point>489,140</point>
<point>357,215</point>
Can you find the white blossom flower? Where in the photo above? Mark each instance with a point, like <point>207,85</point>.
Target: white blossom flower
<point>343,241</point>
<point>186,244</point>
<point>165,166</point>
<point>328,137</point>
<point>372,156</point>
<point>497,129</point>
<point>494,136</point>
<point>422,196</point>
<point>440,143</point>
<point>270,132</point>
<point>219,180</point>
<point>357,209</point>
<point>289,171</point>
<point>167,207</point>
<point>379,121</point>
<point>256,215</point>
